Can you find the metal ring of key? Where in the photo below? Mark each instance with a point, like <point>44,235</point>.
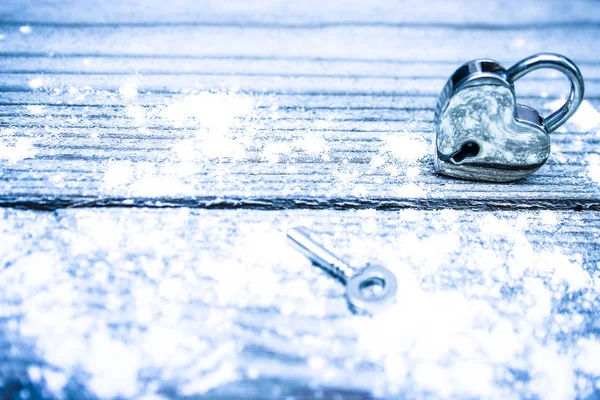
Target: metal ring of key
<point>483,134</point>
<point>355,283</point>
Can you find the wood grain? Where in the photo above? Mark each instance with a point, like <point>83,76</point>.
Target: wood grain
<point>363,42</point>
<point>161,268</point>
<point>351,87</point>
<point>78,139</point>
<point>463,15</point>
<point>280,315</point>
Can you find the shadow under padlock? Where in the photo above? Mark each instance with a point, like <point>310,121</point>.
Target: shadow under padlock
<point>482,133</point>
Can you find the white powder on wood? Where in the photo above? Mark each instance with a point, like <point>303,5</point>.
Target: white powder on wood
<point>36,83</point>
<point>585,119</point>
<point>312,143</point>
<point>13,150</point>
<point>593,168</point>
<point>405,149</point>
<point>129,89</point>
<point>477,301</point>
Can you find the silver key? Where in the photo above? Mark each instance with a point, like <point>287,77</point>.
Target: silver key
<point>371,290</point>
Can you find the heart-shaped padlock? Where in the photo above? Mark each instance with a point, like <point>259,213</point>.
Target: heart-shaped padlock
<point>483,134</point>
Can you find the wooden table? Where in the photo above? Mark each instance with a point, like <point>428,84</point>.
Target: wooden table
<point>152,155</point>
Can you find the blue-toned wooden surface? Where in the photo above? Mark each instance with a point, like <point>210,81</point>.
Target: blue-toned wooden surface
<point>245,118</point>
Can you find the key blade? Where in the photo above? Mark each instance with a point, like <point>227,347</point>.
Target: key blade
<point>301,240</point>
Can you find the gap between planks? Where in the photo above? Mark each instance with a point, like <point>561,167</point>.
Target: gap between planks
<point>49,203</point>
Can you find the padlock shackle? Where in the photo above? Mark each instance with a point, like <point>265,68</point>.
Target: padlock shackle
<point>562,64</point>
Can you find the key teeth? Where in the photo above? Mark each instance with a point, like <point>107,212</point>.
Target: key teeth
<point>335,272</point>
<point>301,239</point>
<point>359,311</point>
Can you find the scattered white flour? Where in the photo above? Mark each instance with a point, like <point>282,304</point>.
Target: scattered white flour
<point>17,149</point>
<point>552,375</point>
<point>377,161</point>
<point>358,190</point>
<point>392,170</point>
<point>588,356</point>
<point>321,124</point>
<point>25,29</point>
<point>312,143</point>
<point>593,168</point>
<point>549,218</point>
<point>112,364</point>
<point>410,190</point>
<point>129,89</point>
<point>273,152</point>
<point>216,112</point>
<point>586,118</point>
<point>412,172</point>
<point>137,113</point>
<point>131,302</point>
<point>400,156</point>
<point>160,179</point>
<point>463,341</point>
<point>36,83</point>
<point>118,174</point>
<point>221,127</point>
<point>185,150</point>
<point>36,109</point>
<point>119,298</point>
<point>405,149</point>
<point>55,381</point>
<point>221,146</point>
<point>224,374</point>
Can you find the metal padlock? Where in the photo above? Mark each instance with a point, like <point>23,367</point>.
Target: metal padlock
<point>483,134</point>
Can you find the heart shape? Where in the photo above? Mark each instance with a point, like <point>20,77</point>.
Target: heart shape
<point>480,137</point>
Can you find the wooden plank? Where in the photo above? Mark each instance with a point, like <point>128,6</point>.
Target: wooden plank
<point>311,105</point>
<point>331,117</point>
<point>288,150</point>
<point>323,67</point>
<point>273,83</point>
<point>498,14</point>
<point>371,43</point>
<point>126,302</point>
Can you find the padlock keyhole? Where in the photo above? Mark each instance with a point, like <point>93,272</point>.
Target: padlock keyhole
<point>469,149</point>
